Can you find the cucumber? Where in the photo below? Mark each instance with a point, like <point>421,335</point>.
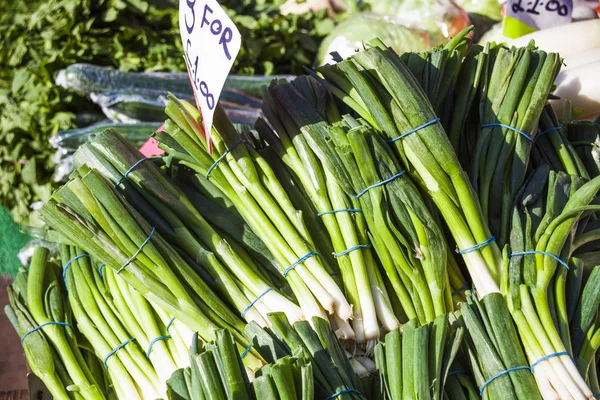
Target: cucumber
<point>85,79</point>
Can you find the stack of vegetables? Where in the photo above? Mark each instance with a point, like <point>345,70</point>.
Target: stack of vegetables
<point>396,226</point>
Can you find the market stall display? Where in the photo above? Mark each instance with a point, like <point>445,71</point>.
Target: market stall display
<point>415,217</point>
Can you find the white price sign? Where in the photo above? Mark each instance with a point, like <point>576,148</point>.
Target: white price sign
<point>211,43</point>
<point>540,14</point>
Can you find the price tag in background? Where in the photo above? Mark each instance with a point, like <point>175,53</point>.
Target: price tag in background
<point>527,16</point>
<point>211,43</point>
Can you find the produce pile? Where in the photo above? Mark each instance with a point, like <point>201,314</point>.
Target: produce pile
<point>39,38</point>
<point>395,226</point>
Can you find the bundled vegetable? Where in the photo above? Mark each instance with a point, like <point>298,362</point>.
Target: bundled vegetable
<point>399,109</point>
<point>216,372</point>
<point>413,364</point>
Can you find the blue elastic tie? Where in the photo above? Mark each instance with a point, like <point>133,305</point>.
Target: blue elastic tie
<point>341,392</point>
<point>425,125</point>
<point>459,371</point>
<point>68,264</point>
<point>254,301</point>
<point>222,157</point>
<point>170,323</point>
<point>358,246</point>
<point>113,351</point>
<point>477,246</point>
<point>335,273</point>
<point>100,268</point>
<point>560,353</point>
<point>300,260</point>
<point>525,135</point>
<point>399,174</point>
<point>129,170</point>
<point>499,375</point>
<point>556,128</point>
<point>246,351</point>
<point>350,210</point>
<point>524,253</point>
<point>156,339</point>
<point>137,251</point>
<point>460,289</point>
<point>41,326</point>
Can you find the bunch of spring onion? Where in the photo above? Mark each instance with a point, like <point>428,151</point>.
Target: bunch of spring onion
<point>493,350</point>
<point>249,182</point>
<point>405,236</point>
<point>43,318</point>
<point>585,331</point>
<point>380,88</point>
<point>516,85</point>
<point>413,363</point>
<point>220,259</point>
<point>542,279</point>
<point>217,372</point>
<point>315,341</point>
<point>138,344</point>
<point>92,215</point>
<point>585,138</point>
<point>343,217</point>
<point>553,148</point>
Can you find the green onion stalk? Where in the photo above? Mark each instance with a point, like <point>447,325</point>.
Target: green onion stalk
<point>516,86</point>
<point>230,267</point>
<point>541,279</point>
<point>216,372</point>
<point>397,106</point>
<point>241,173</point>
<point>361,159</point>
<point>341,214</point>
<point>53,350</point>
<point>585,138</point>
<point>318,344</point>
<point>556,150</point>
<point>132,374</point>
<point>493,347</point>
<point>412,363</point>
<point>585,330</point>
<point>92,215</point>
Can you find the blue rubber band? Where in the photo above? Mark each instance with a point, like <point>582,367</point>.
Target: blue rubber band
<point>341,392</point>
<point>425,125</point>
<point>335,273</point>
<point>68,264</point>
<point>560,353</point>
<point>100,268</point>
<point>170,323</point>
<point>556,128</point>
<point>246,351</point>
<point>156,339</point>
<point>137,251</point>
<point>525,135</point>
<point>399,174</point>
<point>255,301</point>
<point>299,261</point>
<point>129,170</point>
<point>350,210</point>
<point>41,326</point>
<point>358,246</point>
<point>113,351</point>
<point>524,253</point>
<point>499,375</point>
<point>461,289</point>
<point>477,246</point>
<point>214,165</point>
<point>459,371</point>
